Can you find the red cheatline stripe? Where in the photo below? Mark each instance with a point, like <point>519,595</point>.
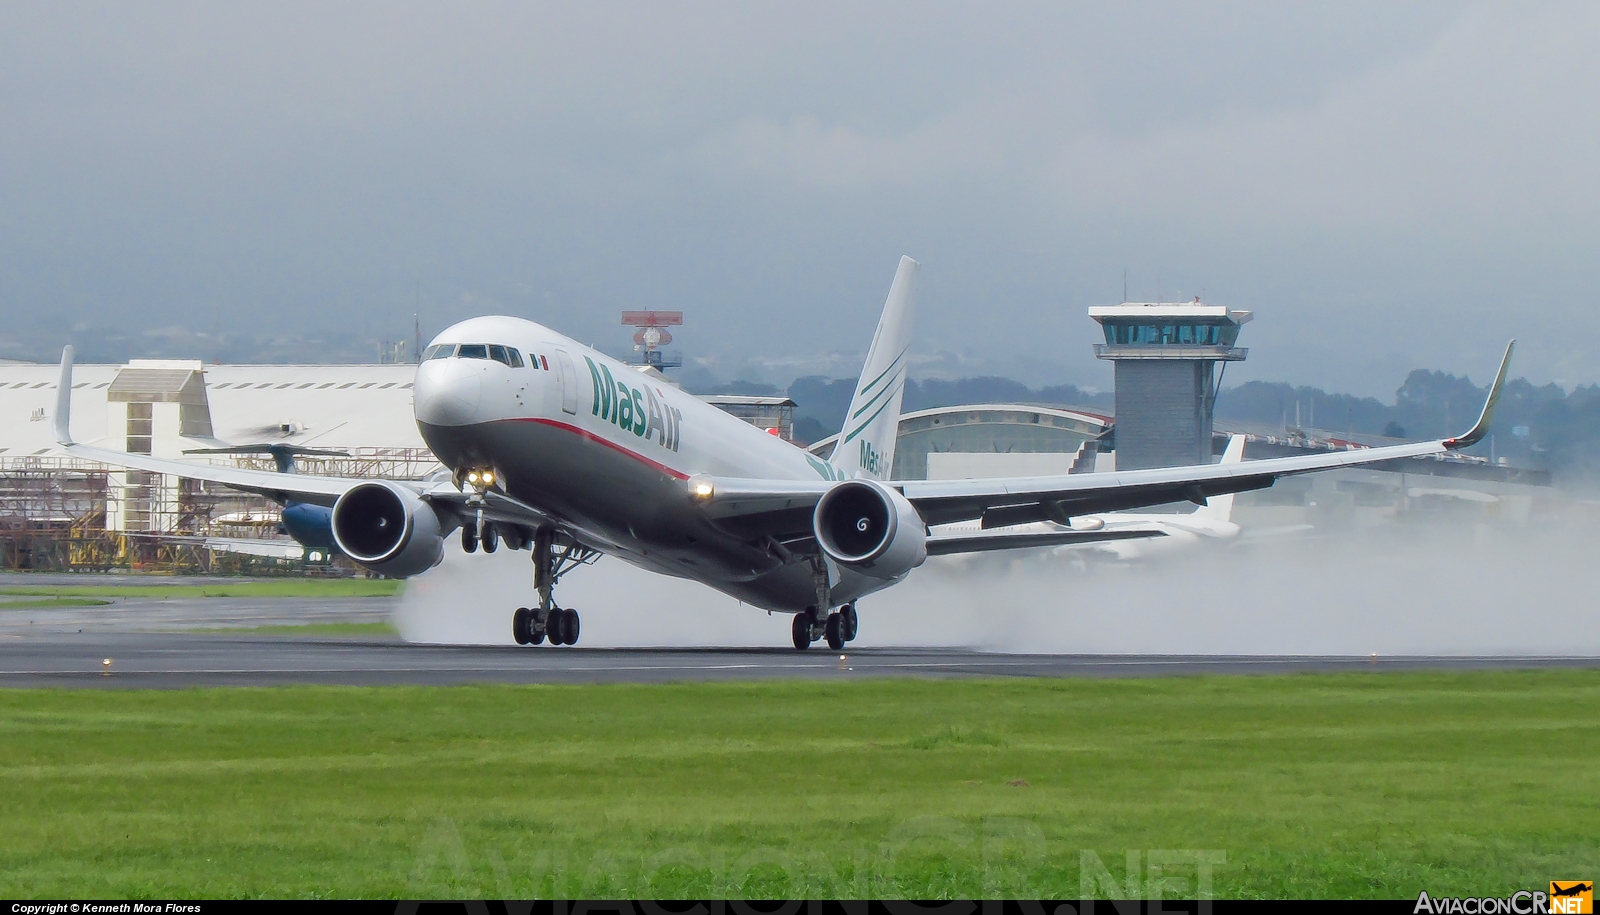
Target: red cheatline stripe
<point>609,444</point>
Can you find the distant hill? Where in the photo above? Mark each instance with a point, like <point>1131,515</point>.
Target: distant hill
<point>1535,426</point>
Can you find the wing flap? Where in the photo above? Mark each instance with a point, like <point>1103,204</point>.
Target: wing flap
<point>947,544</point>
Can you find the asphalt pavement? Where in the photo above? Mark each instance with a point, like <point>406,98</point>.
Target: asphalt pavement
<point>178,660</point>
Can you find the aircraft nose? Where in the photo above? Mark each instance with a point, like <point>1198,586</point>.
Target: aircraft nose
<point>447,392</point>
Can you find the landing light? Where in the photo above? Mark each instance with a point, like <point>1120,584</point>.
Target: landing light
<point>702,489</point>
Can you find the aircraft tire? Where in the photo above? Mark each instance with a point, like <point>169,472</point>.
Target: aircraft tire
<point>491,539</point>
<point>570,635</point>
<point>555,626</point>
<point>801,631</point>
<point>519,626</point>
<point>469,539</point>
<point>832,632</point>
<point>848,622</point>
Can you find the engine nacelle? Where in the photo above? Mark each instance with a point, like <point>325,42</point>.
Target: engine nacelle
<point>868,527</point>
<point>388,529</point>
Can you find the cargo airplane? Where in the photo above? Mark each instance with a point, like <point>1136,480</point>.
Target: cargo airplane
<point>558,449</point>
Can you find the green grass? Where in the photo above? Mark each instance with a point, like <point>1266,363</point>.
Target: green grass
<point>288,587</point>
<point>50,602</point>
<point>307,629</point>
<point>1357,785</point>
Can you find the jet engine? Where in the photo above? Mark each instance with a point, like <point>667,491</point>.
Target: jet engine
<point>868,527</point>
<point>388,529</point>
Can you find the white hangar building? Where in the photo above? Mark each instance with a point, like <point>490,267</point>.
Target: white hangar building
<point>54,509</point>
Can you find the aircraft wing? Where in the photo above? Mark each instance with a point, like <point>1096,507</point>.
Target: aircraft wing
<point>783,509</point>
<point>279,487</point>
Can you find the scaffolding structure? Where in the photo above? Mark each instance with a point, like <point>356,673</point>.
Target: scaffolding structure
<point>54,511</point>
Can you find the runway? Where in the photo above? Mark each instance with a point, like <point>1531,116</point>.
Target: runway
<point>179,660</point>
<point>178,643</point>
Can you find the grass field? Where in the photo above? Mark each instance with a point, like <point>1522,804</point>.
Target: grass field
<point>288,587</point>
<point>1357,785</point>
<point>308,630</point>
<point>36,603</point>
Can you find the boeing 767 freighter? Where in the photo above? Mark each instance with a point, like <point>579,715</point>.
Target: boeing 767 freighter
<point>559,449</point>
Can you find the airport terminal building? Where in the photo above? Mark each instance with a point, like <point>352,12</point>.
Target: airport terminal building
<point>58,512</point>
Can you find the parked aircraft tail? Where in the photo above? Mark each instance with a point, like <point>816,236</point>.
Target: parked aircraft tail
<point>866,444</point>
<point>1220,508</point>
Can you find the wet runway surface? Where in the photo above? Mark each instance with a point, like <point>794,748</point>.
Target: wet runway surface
<point>186,642</point>
<point>138,614</point>
<point>176,660</point>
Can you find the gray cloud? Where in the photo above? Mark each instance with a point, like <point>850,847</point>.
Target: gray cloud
<point>1414,175</point>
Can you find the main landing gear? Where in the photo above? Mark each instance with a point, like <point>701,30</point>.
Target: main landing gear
<point>837,628</point>
<point>554,555</point>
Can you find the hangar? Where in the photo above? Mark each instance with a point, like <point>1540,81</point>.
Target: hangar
<point>58,512</point>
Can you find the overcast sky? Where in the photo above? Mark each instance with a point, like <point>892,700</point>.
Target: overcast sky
<point>1388,186</point>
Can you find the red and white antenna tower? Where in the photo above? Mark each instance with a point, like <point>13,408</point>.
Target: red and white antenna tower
<point>652,335</point>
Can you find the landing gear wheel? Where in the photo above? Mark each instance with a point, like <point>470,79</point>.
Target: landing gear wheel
<point>831,632</point>
<point>520,629</point>
<point>801,631</point>
<point>555,626</point>
<point>469,539</point>
<point>848,623</point>
<point>491,539</point>
<point>571,633</point>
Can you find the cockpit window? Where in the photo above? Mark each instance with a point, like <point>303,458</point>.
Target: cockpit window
<point>472,351</point>
<point>498,354</point>
<point>516,358</point>
<point>439,351</point>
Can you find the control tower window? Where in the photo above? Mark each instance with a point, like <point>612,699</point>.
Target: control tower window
<point>472,351</point>
<point>439,351</point>
<point>1171,334</point>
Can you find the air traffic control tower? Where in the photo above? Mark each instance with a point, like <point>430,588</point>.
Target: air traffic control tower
<point>1166,359</point>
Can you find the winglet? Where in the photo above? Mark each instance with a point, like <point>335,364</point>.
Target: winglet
<point>1477,432</point>
<point>62,420</point>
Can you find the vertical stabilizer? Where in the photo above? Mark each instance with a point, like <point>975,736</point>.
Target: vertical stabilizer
<point>866,444</point>
<point>1220,508</point>
<point>61,420</point>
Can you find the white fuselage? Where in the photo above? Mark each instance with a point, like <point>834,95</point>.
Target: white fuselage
<point>607,450</point>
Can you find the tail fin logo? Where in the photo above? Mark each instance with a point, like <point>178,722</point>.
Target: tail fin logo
<point>871,461</point>
<point>825,469</point>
